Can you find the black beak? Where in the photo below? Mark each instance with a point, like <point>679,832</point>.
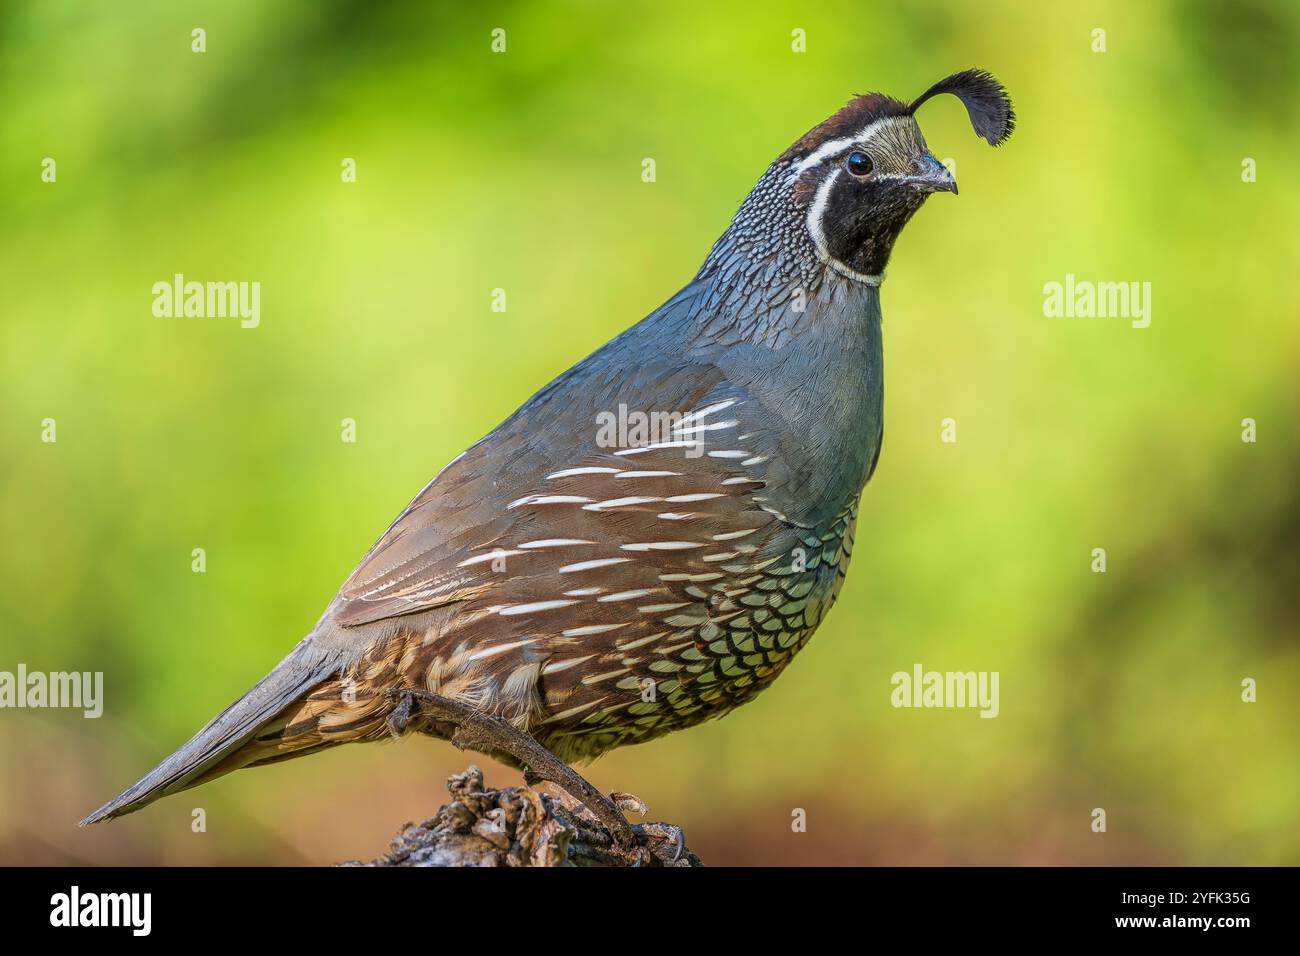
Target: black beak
<point>933,177</point>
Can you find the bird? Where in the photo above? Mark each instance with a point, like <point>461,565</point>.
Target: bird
<point>648,541</point>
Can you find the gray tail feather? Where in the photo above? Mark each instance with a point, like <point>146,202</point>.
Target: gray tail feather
<point>305,666</point>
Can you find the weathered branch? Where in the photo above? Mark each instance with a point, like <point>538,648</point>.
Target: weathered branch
<point>520,826</point>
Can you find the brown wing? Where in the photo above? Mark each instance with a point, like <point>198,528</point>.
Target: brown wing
<point>646,503</point>
<point>517,486</point>
<point>656,565</point>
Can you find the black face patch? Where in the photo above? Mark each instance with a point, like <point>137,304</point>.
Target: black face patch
<point>862,218</point>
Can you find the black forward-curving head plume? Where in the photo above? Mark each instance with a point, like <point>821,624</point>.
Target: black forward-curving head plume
<point>985,99</point>
<point>856,178</point>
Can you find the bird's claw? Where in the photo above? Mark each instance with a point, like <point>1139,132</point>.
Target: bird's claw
<point>400,716</point>
<point>660,834</point>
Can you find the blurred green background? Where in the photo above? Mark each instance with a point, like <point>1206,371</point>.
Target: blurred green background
<point>522,171</point>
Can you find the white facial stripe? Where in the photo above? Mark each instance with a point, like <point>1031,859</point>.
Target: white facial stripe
<point>817,210</point>
<point>855,275</point>
<point>815,214</point>
<point>836,145</point>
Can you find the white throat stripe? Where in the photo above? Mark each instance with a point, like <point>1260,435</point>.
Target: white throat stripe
<point>815,214</point>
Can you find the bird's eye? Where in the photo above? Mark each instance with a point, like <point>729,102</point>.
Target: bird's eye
<point>858,163</point>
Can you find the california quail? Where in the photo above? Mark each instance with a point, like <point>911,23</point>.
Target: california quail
<point>649,540</point>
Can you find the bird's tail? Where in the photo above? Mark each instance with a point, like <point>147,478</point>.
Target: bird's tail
<point>237,737</point>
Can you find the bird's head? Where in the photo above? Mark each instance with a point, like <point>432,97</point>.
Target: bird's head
<point>856,178</point>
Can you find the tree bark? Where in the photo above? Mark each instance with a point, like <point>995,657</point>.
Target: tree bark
<point>520,826</point>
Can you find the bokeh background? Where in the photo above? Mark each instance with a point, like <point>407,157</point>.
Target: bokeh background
<point>522,171</point>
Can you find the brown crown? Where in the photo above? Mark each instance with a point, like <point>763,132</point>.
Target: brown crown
<point>854,115</point>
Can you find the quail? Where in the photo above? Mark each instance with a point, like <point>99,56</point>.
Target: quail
<point>650,539</point>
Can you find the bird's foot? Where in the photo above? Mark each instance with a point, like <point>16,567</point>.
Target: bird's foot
<point>669,835</point>
<point>399,718</point>
<point>478,731</point>
<point>663,841</point>
<point>626,802</point>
